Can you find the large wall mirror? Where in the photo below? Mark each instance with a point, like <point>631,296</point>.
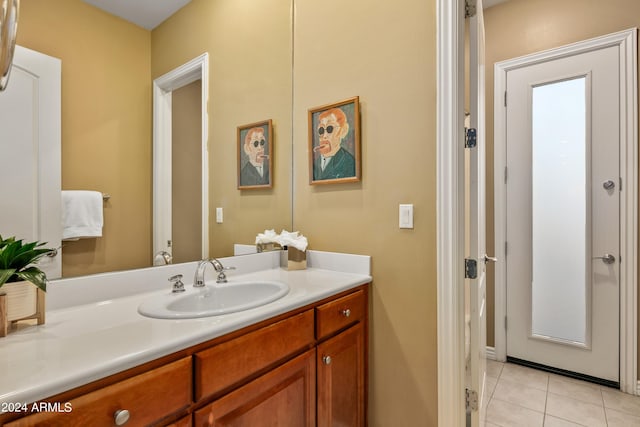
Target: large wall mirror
<point>108,68</point>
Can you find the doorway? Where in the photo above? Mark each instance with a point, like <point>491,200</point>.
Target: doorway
<point>564,209</point>
<point>167,156</point>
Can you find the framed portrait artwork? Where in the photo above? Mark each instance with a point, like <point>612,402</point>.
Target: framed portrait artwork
<point>334,142</point>
<point>255,155</point>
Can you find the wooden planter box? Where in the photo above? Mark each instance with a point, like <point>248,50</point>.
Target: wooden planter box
<point>20,301</point>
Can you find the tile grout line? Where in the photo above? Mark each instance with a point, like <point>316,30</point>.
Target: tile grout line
<point>546,400</point>
<point>604,406</point>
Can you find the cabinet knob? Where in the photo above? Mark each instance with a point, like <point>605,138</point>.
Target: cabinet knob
<point>326,360</point>
<point>121,416</point>
<point>346,312</point>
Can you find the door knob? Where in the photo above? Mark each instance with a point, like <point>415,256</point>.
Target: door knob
<point>607,258</point>
<point>609,185</point>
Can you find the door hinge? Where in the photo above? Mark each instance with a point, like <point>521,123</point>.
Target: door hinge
<point>470,268</point>
<point>469,8</point>
<point>505,323</point>
<point>620,186</point>
<point>505,174</point>
<point>471,400</point>
<point>505,248</point>
<point>471,138</point>
<point>505,98</point>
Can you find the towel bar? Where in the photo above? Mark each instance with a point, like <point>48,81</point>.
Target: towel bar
<point>106,196</point>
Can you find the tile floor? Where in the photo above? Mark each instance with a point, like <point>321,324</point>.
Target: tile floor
<point>521,397</point>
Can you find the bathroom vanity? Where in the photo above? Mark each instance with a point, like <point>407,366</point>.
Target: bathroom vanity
<point>301,359</point>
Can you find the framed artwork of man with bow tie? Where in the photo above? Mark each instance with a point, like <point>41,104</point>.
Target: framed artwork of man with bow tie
<point>255,155</point>
<point>334,143</point>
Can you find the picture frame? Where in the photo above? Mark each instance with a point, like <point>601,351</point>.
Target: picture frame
<point>255,155</point>
<point>334,142</point>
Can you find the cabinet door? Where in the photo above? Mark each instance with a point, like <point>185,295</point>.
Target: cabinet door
<point>341,374</point>
<point>283,397</point>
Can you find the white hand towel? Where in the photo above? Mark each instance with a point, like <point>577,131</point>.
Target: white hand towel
<point>81,214</point>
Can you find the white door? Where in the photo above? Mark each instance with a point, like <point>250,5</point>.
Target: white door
<point>563,201</point>
<point>476,359</point>
<point>30,198</point>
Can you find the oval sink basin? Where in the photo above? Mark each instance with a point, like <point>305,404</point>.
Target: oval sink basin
<point>213,300</point>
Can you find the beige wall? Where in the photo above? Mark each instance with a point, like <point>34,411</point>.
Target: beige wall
<point>384,52</point>
<point>186,177</point>
<point>520,27</point>
<point>106,124</point>
<point>249,45</point>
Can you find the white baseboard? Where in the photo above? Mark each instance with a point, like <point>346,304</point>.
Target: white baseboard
<point>490,352</point>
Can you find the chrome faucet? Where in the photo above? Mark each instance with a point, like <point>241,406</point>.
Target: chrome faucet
<point>162,258</point>
<point>198,279</point>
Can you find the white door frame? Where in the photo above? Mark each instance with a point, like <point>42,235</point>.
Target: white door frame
<point>163,87</point>
<point>627,42</point>
<point>450,211</point>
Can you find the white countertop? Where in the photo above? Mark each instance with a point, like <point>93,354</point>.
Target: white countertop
<point>85,342</point>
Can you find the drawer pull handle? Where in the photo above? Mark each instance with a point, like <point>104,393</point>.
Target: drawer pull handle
<point>346,312</point>
<point>326,360</point>
<point>121,417</point>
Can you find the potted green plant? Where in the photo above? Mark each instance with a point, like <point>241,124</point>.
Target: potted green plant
<point>17,261</point>
<point>18,271</point>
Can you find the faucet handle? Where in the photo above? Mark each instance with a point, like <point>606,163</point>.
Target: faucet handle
<point>222,278</point>
<point>176,283</point>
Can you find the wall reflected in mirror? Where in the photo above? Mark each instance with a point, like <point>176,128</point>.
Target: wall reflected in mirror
<point>108,66</point>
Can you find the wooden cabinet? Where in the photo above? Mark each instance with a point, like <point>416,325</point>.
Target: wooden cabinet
<point>147,398</point>
<point>182,422</point>
<point>341,364</point>
<point>335,315</point>
<point>303,368</point>
<point>284,397</point>
<point>341,379</point>
<point>231,362</point>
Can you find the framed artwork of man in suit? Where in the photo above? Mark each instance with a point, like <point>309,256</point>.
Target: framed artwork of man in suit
<point>255,155</point>
<point>334,142</point>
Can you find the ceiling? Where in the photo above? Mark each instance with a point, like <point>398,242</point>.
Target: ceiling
<point>145,13</point>
<point>151,13</point>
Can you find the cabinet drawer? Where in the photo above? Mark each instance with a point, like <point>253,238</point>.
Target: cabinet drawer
<point>148,397</point>
<point>229,363</point>
<point>338,314</point>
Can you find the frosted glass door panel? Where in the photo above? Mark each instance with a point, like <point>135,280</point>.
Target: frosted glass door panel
<point>559,214</point>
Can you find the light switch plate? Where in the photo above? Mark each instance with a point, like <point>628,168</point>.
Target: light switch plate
<point>406,216</point>
<point>219,215</point>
